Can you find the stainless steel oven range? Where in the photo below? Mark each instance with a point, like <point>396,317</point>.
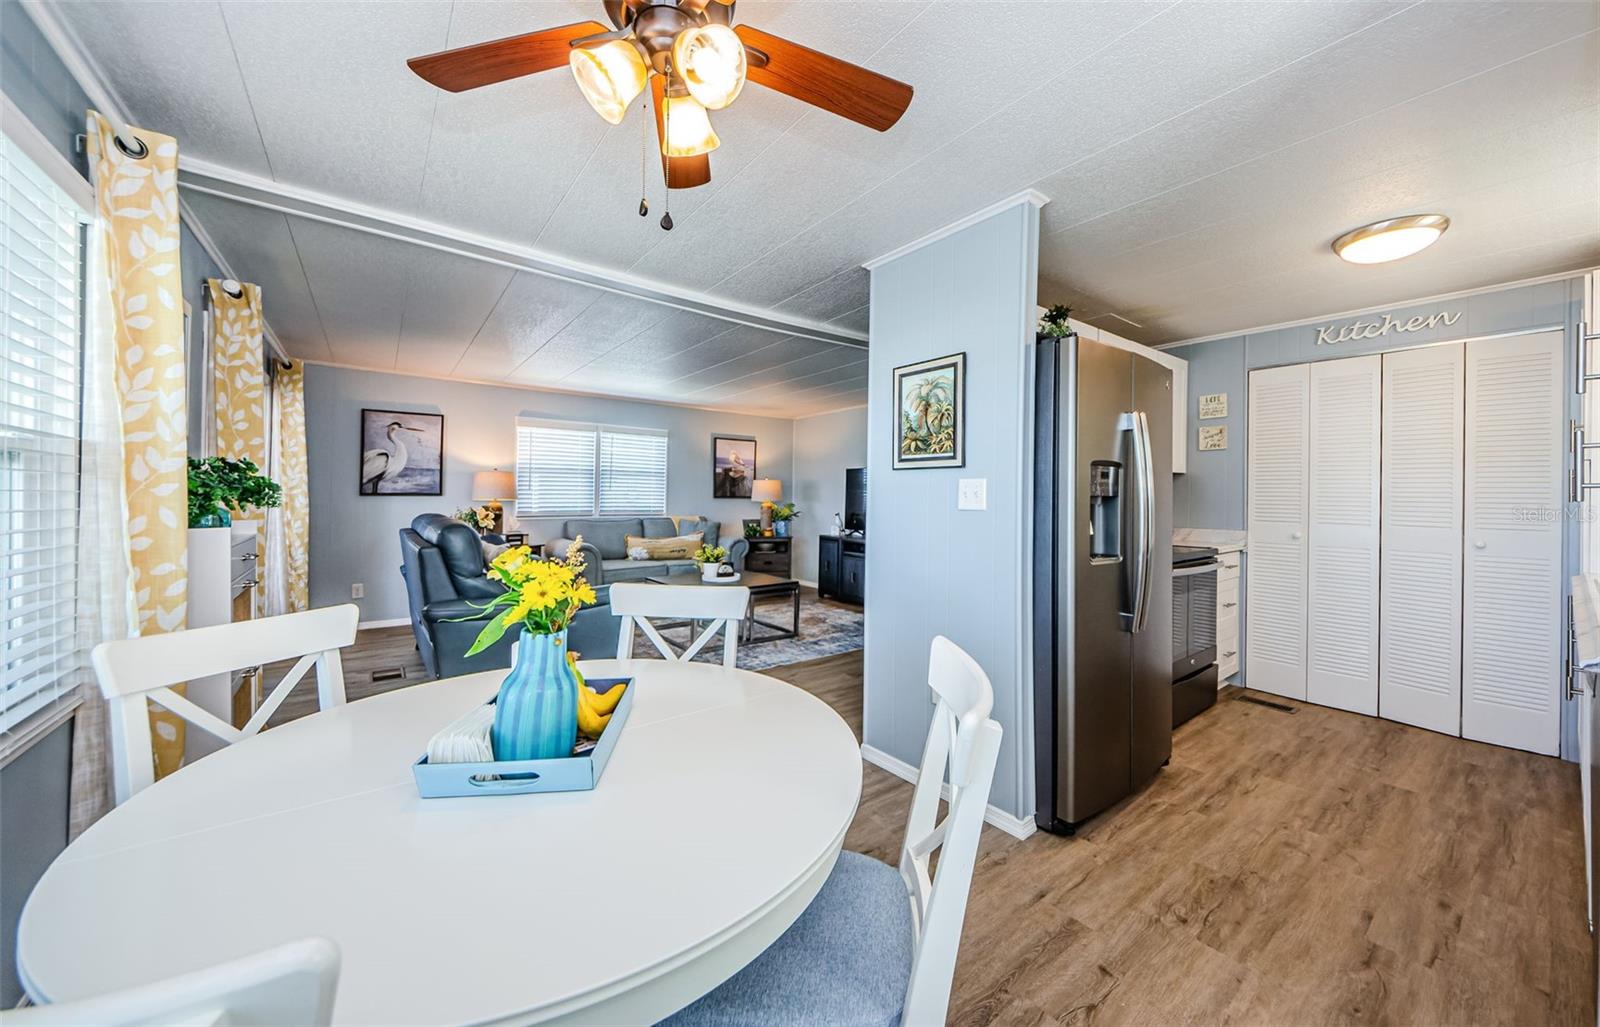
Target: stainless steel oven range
<point>1194,631</point>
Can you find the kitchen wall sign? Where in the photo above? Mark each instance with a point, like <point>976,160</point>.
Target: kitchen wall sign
<point>1213,405</point>
<point>1213,437</point>
<point>1329,335</point>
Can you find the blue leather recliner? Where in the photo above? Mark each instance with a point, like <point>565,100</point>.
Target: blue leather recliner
<point>442,562</point>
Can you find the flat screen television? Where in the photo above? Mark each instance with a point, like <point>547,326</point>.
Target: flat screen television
<point>855,499</point>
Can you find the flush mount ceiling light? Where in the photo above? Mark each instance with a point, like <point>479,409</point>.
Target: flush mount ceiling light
<point>698,60</point>
<point>1383,241</point>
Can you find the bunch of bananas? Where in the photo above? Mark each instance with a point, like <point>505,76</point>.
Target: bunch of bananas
<point>594,709</point>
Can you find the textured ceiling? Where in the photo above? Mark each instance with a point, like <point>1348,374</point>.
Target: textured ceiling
<point>1199,158</point>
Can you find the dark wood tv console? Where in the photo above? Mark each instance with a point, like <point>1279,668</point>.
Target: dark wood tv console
<point>842,567</point>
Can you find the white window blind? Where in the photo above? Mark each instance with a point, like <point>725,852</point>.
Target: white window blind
<point>566,470</point>
<point>633,473</point>
<point>40,260</point>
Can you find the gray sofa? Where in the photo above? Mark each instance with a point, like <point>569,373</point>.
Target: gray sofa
<point>605,546</point>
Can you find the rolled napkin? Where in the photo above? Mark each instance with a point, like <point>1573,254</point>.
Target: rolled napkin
<point>466,740</point>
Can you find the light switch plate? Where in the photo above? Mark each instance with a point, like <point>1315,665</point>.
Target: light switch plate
<point>973,494</point>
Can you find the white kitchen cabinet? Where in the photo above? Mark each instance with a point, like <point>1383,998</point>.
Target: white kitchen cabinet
<point>1276,518</point>
<point>1514,500</point>
<point>1228,615</point>
<point>1419,659</point>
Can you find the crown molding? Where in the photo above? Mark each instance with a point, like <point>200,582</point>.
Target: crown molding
<point>204,177</point>
<point>1029,196</point>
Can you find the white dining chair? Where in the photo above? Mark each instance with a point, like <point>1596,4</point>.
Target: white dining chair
<point>290,984</point>
<point>878,946</point>
<point>720,607</point>
<point>132,670</point>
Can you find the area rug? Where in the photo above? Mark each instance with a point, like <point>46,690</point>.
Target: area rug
<point>826,629</point>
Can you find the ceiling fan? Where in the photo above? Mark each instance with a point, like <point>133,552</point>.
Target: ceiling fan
<point>693,58</point>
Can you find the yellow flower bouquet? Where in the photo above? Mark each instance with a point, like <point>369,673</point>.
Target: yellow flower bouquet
<point>541,595</point>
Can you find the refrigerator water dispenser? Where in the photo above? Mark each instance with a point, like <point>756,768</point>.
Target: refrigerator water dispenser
<point>1105,511</point>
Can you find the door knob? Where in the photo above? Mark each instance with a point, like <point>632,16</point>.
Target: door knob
<point>1480,544</point>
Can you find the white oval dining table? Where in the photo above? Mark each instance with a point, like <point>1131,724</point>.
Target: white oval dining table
<point>718,818</point>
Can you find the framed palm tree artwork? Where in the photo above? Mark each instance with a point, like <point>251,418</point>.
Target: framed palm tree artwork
<point>930,427</point>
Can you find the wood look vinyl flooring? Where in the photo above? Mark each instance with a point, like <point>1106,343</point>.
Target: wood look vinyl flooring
<point>1314,867</point>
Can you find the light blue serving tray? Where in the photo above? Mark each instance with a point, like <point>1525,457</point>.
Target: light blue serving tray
<point>520,777</point>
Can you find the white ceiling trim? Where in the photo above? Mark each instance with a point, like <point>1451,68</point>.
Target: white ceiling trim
<point>1032,196</point>
<point>1558,276</point>
<point>105,99</point>
<point>296,201</point>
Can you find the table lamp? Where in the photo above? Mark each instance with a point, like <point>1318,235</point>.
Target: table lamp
<point>489,488</point>
<point>766,490</point>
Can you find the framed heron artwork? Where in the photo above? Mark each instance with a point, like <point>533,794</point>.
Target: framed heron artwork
<point>930,417</point>
<point>402,453</point>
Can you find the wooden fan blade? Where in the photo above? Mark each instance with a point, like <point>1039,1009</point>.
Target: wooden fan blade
<point>484,64</point>
<point>847,90</point>
<point>680,172</point>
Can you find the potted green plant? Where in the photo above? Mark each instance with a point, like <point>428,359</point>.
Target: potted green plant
<point>782,514</point>
<point>709,559</point>
<point>218,486</point>
<point>1054,323</point>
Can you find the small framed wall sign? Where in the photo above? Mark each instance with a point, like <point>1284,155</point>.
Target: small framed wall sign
<point>930,417</point>
<point>1213,436</point>
<point>1213,405</point>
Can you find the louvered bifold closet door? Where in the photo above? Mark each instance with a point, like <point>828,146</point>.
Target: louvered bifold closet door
<point>1512,620</point>
<point>1275,589</point>
<point>1342,603</point>
<point>1419,623</point>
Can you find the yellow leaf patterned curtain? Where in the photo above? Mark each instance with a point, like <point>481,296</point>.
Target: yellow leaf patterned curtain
<point>288,565</point>
<point>238,386</point>
<point>136,199</point>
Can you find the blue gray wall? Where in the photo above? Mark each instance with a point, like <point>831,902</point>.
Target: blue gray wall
<point>1212,494</point>
<point>932,569</point>
<point>34,79</point>
<point>33,786</point>
<point>356,538</point>
<point>824,446</point>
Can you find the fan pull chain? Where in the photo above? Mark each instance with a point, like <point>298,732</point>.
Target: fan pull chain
<point>666,132</point>
<point>644,157</point>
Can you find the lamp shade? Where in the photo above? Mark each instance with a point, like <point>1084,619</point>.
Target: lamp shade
<point>609,76</point>
<point>766,490</point>
<point>494,485</point>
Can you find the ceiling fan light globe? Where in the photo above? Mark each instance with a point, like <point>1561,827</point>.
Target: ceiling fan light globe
<point>610,76</point>
<point>689,132</point>
<point>711,62</point>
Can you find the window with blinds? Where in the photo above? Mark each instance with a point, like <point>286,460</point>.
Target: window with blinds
<point>40,363</point>
<point>572,470</point>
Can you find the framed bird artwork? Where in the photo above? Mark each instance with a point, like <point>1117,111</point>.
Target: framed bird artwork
<point>402,453</point>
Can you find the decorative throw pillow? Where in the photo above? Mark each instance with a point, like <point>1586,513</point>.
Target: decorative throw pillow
<point>679,547</point>
<point>490,551</point>
<point>638,553</point>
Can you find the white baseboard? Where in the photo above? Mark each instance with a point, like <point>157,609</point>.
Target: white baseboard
<point>393,622</point>
<point>807,584</point>
<point>992,814</point>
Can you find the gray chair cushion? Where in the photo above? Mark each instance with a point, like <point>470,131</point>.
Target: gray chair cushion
<point>846,960</point>
<point>658,527</point>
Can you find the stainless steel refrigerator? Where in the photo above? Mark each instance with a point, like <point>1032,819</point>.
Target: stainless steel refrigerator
<point>1102,588</point>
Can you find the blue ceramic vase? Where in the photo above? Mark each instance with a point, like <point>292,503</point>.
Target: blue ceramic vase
<point>536,712</point>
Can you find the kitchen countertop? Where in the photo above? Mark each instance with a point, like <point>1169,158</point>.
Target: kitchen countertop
<point>1222,540</point>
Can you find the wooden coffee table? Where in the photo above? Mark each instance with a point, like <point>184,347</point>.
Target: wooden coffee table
<point>761,586</point>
